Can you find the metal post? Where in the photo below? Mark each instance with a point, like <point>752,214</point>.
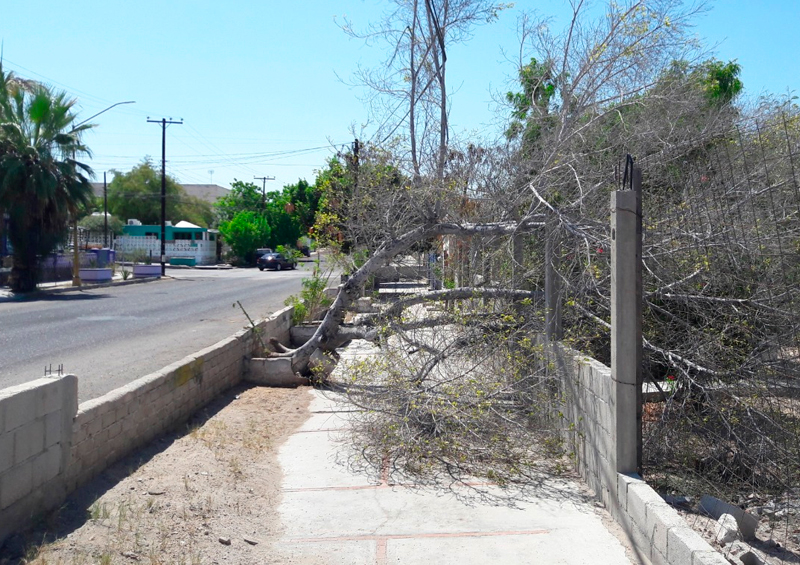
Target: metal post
<point>76,258</point>
<point>626,324</point>
<point>105,212</point>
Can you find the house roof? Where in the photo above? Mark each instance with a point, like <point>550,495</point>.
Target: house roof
<point>208,192</point>
<point>185,224</point>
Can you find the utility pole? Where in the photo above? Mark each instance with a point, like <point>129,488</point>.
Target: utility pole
<point>264,189</point>
<point>76,273</point>
<point>105,212</point>
<point>164,122</point>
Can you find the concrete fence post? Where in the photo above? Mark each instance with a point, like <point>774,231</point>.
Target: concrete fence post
<point>626,325</point>
<point>552,283</point>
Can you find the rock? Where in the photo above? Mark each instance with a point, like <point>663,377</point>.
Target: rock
<point>715,508</point>
<point>677,500</point>
<point>156,491</point>
<point>225,541</point>
<point>251,541</point>
<point>727,529</point>
<point>130,555</point>
<point>740,552</point>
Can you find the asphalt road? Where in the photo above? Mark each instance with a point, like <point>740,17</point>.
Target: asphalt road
<point>111,336</point>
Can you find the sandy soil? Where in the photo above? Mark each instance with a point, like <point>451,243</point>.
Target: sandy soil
<point>204,496</point>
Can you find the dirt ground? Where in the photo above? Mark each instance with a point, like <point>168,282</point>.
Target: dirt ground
<point>207,495</point>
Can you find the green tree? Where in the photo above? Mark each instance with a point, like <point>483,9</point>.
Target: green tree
<point>243,196</point>
<point>721,81</point>
<point>137,194</point>
<point>95,223</point>
<point>196,210</point>
<point>533,103</point>
<point>41,182</point>
<point>289,213</point>
<point>246,232</point>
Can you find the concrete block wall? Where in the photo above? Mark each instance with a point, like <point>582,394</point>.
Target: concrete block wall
<point>49,445</point>
<point>655,529</point>
<point>35,436</point>
<point>107,428</point>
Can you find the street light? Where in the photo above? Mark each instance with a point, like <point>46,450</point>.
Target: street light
<point>76,276</point>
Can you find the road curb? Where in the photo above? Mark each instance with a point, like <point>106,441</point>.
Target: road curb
<point>84,286</point>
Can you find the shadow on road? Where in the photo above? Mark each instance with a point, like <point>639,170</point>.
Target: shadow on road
<point>59,297</point>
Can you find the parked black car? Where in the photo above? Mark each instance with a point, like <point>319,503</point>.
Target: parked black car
<point>275,261</point>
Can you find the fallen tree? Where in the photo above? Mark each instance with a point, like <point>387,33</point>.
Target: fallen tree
<point>330,334</point>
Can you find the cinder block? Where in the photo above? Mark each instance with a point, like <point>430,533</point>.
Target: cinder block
<point>134,405</point>
<point>121,412</point>
<point>81,450</point>
<point>94,426</point>
<point>19,408</point>
<point>660,519</point>
<point>639,497</point>
<point>129,424</point>
<point>682,543</point>
<point>108,418</point>
<point>6,451</point>
<point>708,558</point>
<point>46,466</point>
<point>640,540</point>
<point>49,398</point>
<point>15,483</point>
<point>28,441</point>
<point>658,558</point>
<point>623,483</point>
<point>101,439</point>
<point>52,428</point>
<point>115,429</point>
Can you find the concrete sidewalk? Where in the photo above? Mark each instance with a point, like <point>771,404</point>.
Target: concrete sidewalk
<point>332,516</point>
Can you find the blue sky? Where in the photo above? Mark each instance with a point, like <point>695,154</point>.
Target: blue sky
<point>257,82</point>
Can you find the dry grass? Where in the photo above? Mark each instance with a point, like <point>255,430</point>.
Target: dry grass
<point>218,480</point>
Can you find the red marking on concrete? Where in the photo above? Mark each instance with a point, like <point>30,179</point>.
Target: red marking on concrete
<point>378,538</point>
<point>318,489</point>
<point>385,470</point>
<point>380,552</point>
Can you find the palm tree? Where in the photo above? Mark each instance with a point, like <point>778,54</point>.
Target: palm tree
<point>41,183</point>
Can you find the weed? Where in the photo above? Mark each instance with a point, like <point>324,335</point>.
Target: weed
<point>99,511</point>
<point>236,466</point>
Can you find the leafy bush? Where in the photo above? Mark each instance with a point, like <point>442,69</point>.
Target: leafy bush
<point>245,232</point>
<point>312,297</point>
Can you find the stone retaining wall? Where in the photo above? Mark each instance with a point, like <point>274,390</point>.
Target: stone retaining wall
<point>49,445</point>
